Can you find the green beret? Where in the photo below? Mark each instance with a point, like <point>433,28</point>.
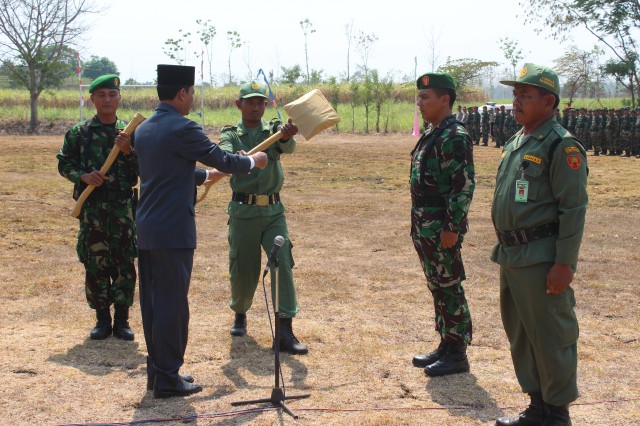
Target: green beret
<point>539,76</point>
<point>109,81</point>
<point>252,89</point>
<point>436,80</point>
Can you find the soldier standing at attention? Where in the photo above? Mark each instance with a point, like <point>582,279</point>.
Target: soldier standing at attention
<point>107,237</point>
<point>484,123</point>
<point>500,123</point>
<point>538,212</point>
<point>442,181</point>
<point>257,215</point>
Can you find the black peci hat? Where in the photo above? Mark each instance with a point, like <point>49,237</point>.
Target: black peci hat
<point>176,75</point>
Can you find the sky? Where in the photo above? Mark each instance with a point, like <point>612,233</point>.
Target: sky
<point>132,34</point>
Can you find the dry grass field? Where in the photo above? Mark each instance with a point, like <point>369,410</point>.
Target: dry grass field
<point>365,308</point>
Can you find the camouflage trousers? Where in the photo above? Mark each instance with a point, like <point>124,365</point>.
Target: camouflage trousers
<point>485,136</point>
<point>107,248</point>
<point>444,271</point>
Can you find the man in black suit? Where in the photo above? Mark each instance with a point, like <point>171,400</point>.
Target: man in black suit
<point>168,146</point>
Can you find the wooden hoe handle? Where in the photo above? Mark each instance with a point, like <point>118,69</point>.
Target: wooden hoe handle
<point>261,147</point>
<point>129,129</point>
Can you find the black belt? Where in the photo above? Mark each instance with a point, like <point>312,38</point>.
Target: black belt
<point>432,201</point>
<point>255,199</point>
<point>106,195</point>
<point>523,236</point>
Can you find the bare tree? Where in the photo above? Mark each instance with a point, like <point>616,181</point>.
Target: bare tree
<point>579,68</point>
<point>247,59</point>
<point>432,43</point>
<point>348,31</point>
<point>34,34</point>
<point>233,37</point>
<point>307,28</point>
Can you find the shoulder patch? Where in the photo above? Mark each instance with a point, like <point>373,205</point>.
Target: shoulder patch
<point>574,161</point>
<point>533,159</point>
<point>227,128</point>
<point>571,149</point>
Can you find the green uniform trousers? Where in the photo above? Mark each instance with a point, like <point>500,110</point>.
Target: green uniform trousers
<point>246,239</point>
<point>543,332</point>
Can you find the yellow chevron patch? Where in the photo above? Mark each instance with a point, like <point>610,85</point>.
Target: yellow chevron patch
<point>532,159</point>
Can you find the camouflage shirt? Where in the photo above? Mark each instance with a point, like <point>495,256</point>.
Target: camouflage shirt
<point>442,166</point>
<point>86,147</point>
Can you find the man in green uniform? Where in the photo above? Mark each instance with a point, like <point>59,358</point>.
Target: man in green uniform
<point>256,215</point>
<point>442,180</point>
<point>485,124</point>
<point>106,240</point>
<point>538,212</point>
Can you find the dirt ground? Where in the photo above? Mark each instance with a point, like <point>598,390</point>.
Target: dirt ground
<point>365,309</point>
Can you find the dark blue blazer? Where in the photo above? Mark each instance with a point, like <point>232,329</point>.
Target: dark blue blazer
<point>168,146</point>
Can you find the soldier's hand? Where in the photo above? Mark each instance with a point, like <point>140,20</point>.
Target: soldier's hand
<point>260,159</point>
<point>95,178</point>
<point>448,238</point>
<point>289,130</point>
<point>123,141</point>
<point>558,278</point>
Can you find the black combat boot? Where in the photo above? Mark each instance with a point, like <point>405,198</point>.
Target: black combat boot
<point>428,359</point>
<point>288,342</point>
<point>102,330</point>
<point>121,327</point>
<point>557,416</point>
<point>239,327</point>
<point>453,361</point>
<point>534,415</point>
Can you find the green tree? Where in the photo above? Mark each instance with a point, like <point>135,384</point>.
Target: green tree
<point>177,48</point>
<point>334,95</point>
<point>348,32</point>
<point>34,38</point>
<point>512,52</point>
<point>206,32</point>
<point>464,71</point>
<point>235,42</point>
<point>291,75</point>
<point>307,28</point>
<point>614,23</point>
<point>354,88</point>
<point>364,43</point>
<point>95,67</point>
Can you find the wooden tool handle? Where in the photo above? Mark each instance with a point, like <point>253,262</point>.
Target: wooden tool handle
<point>129,129</point>
<point>258,148</point>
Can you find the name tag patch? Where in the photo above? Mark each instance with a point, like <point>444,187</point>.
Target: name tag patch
<point>533,159</point>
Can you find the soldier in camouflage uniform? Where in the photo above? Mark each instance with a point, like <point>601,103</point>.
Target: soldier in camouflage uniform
<point>502,115</point>
<point>106,240</point>
<point>635,137</point>
<point>485,125</point>
<point>596,142</point>
<point>442,180</point>
<point>602,131</point>
<point>613,123</point>
<point>588,119</point>
<point>625,132</point>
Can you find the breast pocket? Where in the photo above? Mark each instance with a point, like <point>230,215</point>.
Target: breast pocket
<point>538,181</point>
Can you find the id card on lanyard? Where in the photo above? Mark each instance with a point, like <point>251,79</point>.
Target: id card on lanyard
<point>522,186</point>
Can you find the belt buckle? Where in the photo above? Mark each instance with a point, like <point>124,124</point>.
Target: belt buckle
<point>261,200</point>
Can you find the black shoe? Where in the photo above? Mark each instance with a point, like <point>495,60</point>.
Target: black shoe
<point>239,327</point>
<point>182,389</point>
<point>288,342</point>
<point>557,416</point>
<point>121,328</point>
<point>103,329</point>
<point>534,415</point>
<point>453,361</point>
<point>428,359</point>
<point>186,377</point>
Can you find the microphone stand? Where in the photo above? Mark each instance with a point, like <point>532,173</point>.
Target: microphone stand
<point>278,396</point>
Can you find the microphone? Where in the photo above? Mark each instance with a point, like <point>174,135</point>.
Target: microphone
<point>277,243</point>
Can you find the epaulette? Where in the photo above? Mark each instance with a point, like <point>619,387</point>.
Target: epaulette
<point>227,128</point>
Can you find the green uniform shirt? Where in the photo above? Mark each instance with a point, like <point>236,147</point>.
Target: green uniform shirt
<point>259,182</point>
<point>557,193</point>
